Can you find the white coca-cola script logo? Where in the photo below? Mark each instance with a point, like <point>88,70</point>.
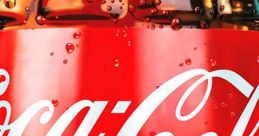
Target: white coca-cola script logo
<point>137,119</point>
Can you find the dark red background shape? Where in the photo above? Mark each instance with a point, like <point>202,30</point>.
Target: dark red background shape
<point>123,63</point>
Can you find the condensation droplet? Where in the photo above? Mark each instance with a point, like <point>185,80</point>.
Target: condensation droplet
<point>153,11</point>
<point>232,114</point>
<point>28,9</point>
<point>129,43</point>
<point>9,3</point>
<point>188,61</point>
<point>148,19</point>
<point>230,95</point>
<point>161,26</point>
<point>65,61</point>
<point>203,24</point>
<point>54,102</point>
<point>215,106</point>
<point>153,26</point>
<point>115,20</point>
<point>223,105</point>
<point>2,78</point>
<point>157,2</point>
<point>40,20</point>
<point>117,63</point>
<point>213,62</point>
<point>131,8</point>
<point>181,64</point>
<point>52,54</point>
<point>142,2</point>
<point>77,35</point>
<point>258,59</point>
<point>176,24</point>
<point>165,12</point>
<point>197,10</point>
<point>70,48</point>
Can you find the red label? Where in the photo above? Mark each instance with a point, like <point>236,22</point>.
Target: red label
<point>129,81</point>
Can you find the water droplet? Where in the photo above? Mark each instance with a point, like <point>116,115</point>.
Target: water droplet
<point>153,26</point>
<point>147,19</point>
<point>54,102</point>
<point>117,64</point>
<point>129,43</point>
<point>223,105</point>
<point>40,20</point>
<point>161,26</point>
<point>65,61</point>
<point>230,95</point>
<point>115,20</point>
<point>142,2</point>
<point>157,2</point>
<point>222,8</point>
<point>197,10</point>
<point>27,9</point>
<point>258,59</point>
<point>213,62</point>
<point>176,24</point>
<point>125,35</point>
<point>153,11</point>
<point>165,12</point>
<point>188,61</point>
<point>2,78</point>
<point>9,3</point>
<point>215,106</point>
<point>70,48</point>
<point>77,35</point>
<point>52,54</point>
<point>112,1</point>
<point>181,64</point>
<point>131,8</point>
<point>204,24</point>
<point>24,22</point>
<point>232,114</point>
